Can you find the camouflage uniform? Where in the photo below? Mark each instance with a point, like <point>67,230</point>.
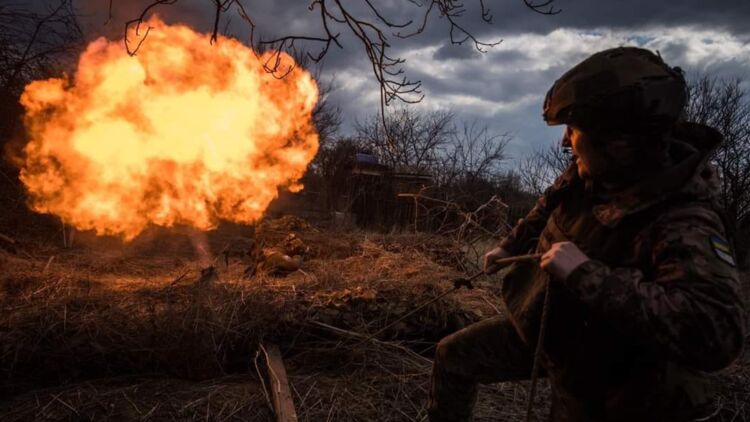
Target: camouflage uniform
<point>629,332</point>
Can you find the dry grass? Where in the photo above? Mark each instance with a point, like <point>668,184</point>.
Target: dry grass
<point>113,332</point>
<point>230,398</point>
<point>118,313</point>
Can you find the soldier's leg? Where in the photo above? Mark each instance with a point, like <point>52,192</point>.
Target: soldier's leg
<point>486,352</point>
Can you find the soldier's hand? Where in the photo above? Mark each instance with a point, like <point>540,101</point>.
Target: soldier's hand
<point>561,259</point>
<point>490,257</point>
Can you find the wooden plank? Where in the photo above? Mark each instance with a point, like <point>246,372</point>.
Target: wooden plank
<point>281,394</point>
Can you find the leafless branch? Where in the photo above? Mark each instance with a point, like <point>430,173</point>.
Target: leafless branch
<point>725,105</point>
<point>137,24</point>
<point>545,7</point>
<point>33,42</point>
<point>416,139</point>
<point>451,11</point>
<point>371,28</point>
<point>538,170</point>
<point>469,228</point>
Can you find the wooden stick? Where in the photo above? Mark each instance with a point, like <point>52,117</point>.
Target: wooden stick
<point>519,258</point>
<point>281,394</point>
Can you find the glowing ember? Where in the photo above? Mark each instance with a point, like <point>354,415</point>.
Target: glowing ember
<point>184,132</point>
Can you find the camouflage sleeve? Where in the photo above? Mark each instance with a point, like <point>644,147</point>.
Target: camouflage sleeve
<point>689,306</point>
<point>524,235</point>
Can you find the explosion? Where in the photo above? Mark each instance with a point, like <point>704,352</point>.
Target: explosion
<point>183,132</point>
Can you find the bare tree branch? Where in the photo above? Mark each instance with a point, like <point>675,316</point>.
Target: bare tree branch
<point>137,24</point>
<point>538,170</point>
<point>35,43</point>
<point>415,141</point>
<point>725,105</point>
<point>545,7</point>
<point>371,27</point>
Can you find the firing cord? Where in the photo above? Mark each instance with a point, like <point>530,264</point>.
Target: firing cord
<point>538,352</point>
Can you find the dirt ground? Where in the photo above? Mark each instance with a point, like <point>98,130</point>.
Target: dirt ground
<point>103,330</point>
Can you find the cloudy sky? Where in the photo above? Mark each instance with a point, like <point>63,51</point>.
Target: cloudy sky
<point>504,87</point>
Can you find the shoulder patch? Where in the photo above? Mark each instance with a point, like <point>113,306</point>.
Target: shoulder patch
<point>722,250</point>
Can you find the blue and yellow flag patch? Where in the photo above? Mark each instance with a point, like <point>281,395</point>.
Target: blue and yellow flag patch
<point>722,250</point>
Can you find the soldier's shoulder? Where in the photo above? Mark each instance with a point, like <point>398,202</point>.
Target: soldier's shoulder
<point>697,227</point>
<point>690,214</point>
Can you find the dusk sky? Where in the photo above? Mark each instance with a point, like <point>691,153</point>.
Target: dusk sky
<point>504,87</point>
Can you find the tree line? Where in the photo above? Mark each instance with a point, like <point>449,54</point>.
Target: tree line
<point>469,163</point>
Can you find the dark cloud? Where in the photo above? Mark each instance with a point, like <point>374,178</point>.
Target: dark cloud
<point>729,14</point>
<point>510,57</point>
<point>450,51</point>
<point>282,17</point>
<point>513,17</point>
<point>673,49</point>
<point>505,86</point>
<point>483,83</point>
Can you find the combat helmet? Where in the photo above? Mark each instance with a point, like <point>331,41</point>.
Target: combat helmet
<point>625,89</point>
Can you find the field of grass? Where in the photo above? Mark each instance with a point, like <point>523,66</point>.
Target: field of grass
<point>106,331</point>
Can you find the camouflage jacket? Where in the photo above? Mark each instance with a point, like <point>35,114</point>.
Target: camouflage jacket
<point>630,332</point>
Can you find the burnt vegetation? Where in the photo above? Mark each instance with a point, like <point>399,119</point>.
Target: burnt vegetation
<point>94,329</point>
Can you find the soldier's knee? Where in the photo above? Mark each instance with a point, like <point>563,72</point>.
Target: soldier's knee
<point>446,350</point>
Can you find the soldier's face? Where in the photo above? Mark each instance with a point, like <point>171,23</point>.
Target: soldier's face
<point>599,157</point>
<point>587,155</point>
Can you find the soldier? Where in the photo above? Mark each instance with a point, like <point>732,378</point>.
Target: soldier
<point>643,289</point>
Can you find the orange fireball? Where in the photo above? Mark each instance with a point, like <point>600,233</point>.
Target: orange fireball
<point>184,132</point>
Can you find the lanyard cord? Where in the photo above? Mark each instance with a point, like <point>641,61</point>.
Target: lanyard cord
<point>538,352</point>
